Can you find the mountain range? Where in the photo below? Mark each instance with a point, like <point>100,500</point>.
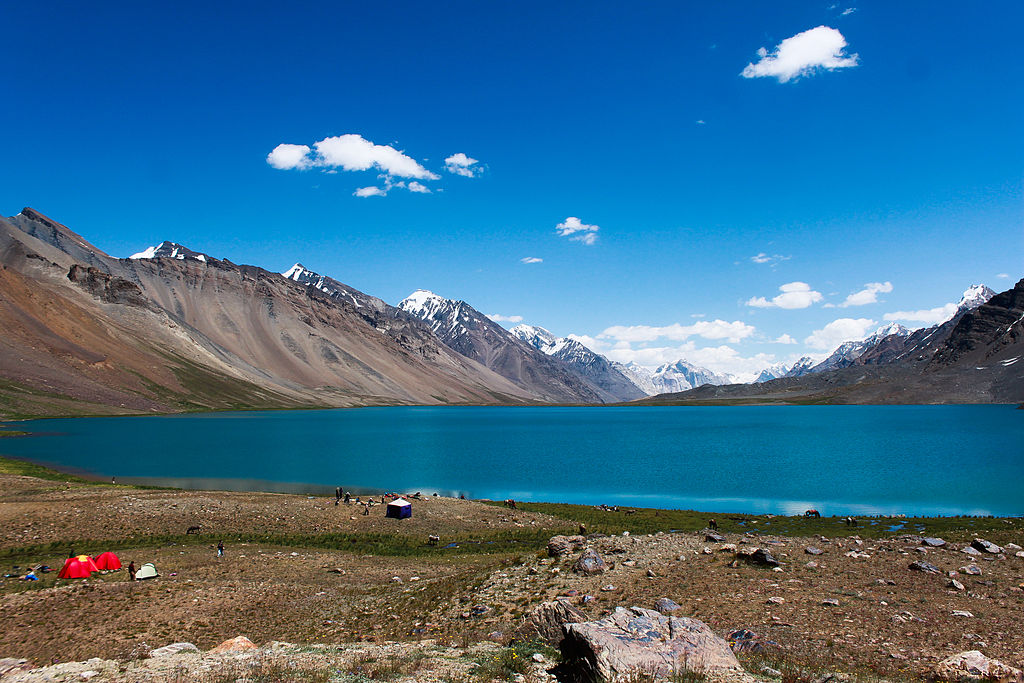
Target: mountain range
<point>172,329</point>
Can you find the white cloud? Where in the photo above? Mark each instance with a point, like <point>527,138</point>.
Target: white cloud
<point>354,153</point>
<point>505,318</point>
<point>794,295</point>
<point>371,191</point>
<point>868,295</point>
<point>1003,276</point>
<point>839,331</point>
<point>928,316</point>
<point>577,230</point>
<point>821,47</point>
<point>531,259</point>
<point>460,164</point>
<point>848,11</point>
<point>700,122</point>
<point>286,156</point>
<point>785,339</point>
<point>708,329</point>
<point>772,259</point>
<point>722,359</point>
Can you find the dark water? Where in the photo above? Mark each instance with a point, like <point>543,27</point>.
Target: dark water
<point>838,459</point>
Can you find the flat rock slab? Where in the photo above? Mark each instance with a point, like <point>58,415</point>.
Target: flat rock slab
<point>173,649</point>
<point>563,545</point>
<point>636,641</point>
<point>926,567</point>
<point>547,620</point>
<point>986,546</point>
<point>933,542</point>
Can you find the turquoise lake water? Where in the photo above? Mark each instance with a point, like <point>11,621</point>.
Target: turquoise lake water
<point>779,459</point>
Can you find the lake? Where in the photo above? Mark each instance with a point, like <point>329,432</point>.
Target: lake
<point>917,460</point>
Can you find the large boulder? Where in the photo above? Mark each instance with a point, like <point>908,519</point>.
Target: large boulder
<point>547,620</point>
<point>973,665</point>
<point>563,545</point>
<point>236,644</point>
<point>590,563</point>
<point>926,567</point>
<point>759,556</point>
<point>638,642</point>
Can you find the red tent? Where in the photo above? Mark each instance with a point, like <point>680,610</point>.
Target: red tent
<point>107,561</point>
<point>80,567</point>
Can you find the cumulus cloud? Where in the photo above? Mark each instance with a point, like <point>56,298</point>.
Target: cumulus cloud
<point>928,316</point>
<point>286,156</point>
<point>708,329</point>
<point>818,48</point>
<point>353,152</point>
<point>723,359</point>
<point>531,259</point>
<point>868,295</point>
<point>785,339</point>
<point>794,295</point>
<point>1003,276</point>
<point>460,164</point>
<point>498,318</point>
<point>577,231</point>
<point>839,331</point>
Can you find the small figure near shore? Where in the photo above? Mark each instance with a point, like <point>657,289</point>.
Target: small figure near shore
<point>131,570</point>
<point>220,548</point>
<point>713,525</point>
<point>583,529</point>
<point>366,509</point>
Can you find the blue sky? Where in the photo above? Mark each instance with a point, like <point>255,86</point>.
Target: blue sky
<point>878,149</point>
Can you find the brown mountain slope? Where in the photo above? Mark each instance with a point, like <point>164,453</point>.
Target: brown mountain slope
<point>85,332</point>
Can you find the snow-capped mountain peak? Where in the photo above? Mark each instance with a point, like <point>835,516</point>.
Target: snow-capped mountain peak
<point>535,336</point>
<point>169,250</point>
<point>974,296</point>
<point>297,272</point>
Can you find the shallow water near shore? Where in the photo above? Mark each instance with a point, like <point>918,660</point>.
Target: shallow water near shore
<point>915,460</point>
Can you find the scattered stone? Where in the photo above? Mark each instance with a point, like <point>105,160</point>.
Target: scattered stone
<point>538,657</point>
<point>727,548</point>
<point>636,641</point>
<point>775,600</point>
<point>173,649</point>
<point>236,644</point>
<point>962,613</point>
<point>547,620</point>
<point>757,556</point>
<point>768,671</point>
<point>927,567</point>
<point>745,640</point>
<point>1019,553</point>
<point>87,675</point>
<point>563,545</point>
<point>811,550</point>
<point>629,563</point>
<point>969,550</point>
<point>609,588</point>
<point>986,546</point>
<point>933,542</point>
<point>714,537</point>
<point>396,579</point>
<point>857,554</point>
<point>830,602</point>
<point>651,574</point>
<point>10,665</point>
<point>479,610</point>
<point>974,665</point>
<point>590,562</point>
<point>955,585</point>
<point>971,569</point>
<point>666,606</point>
<point>811,565</point>
<point>1012,546</point>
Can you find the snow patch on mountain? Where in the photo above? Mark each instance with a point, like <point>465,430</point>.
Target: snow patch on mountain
<point>169,250</point>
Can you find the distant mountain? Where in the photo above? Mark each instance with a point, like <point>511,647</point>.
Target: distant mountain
<point>641,377</point>
<point>333,288</point>
<point>802,367</point>
<point>772,372</point>
<point>848,352</point>
<point>681,375</point>
<point>169,250</point>
<point>472,334</point>
<point>592,366</point>
<point>975,357</point>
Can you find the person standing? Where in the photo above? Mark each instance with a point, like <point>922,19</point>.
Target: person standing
<point>220,548</point>
<point>131,570</point>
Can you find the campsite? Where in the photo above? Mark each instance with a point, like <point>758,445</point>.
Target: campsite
<point>299,569</point>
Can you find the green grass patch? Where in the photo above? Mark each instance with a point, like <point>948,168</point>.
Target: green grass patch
<point>29,469</point>
<point>652,520</point>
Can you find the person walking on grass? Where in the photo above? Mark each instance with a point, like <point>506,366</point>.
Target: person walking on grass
<point>220,548</point>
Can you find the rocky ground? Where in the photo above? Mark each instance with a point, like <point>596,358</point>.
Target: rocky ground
<point>434,613</point>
